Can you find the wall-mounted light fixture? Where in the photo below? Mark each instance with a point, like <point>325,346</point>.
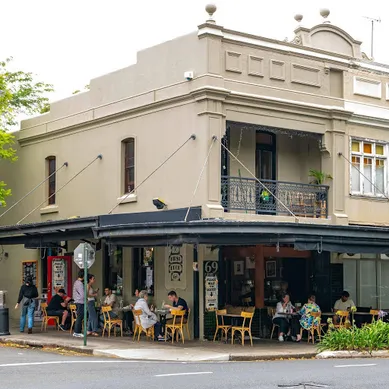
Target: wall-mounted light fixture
<point>159,204</point>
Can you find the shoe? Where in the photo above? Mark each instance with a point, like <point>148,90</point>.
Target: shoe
<point>30,331</point>
<point>62,328</point>
<point>280,338</point>
<point>78,335</point>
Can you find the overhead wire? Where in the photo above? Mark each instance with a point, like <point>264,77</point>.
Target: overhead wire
<point>192,137</point>
<point>258,180</point>
<point>63,186</point>
<point>65,164</point>
<point>214,138</point>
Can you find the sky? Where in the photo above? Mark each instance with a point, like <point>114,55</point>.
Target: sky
<point>67,43</point>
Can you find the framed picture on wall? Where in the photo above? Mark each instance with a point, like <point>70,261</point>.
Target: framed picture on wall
<point>239,268</point>
<point>271,269</point>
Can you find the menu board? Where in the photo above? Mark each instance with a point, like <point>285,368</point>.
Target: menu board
<point>30,269</point>
<point>59,276</point>
<point>211,287</point>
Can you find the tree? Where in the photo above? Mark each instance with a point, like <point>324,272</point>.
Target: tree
<point>19,94</point>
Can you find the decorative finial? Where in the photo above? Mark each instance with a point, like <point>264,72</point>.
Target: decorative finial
<point>298,18</point>
<point>211,9</point>
<point>325,12</point>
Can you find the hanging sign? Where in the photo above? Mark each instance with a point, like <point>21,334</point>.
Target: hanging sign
<point>211,285</point>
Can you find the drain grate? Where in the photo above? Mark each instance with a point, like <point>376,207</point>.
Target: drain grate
<point>303,385</point>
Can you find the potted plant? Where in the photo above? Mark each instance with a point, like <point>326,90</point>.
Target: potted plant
<point>319,178</point>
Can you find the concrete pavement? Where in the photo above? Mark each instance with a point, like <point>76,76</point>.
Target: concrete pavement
<point>191,351</point>
<point>32,369</point>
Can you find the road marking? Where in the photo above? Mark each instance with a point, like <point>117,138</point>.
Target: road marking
<point>361,365</point>
<point>178,374</point>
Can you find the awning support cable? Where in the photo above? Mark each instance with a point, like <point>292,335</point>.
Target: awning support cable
<point>34,189</point>
<point>259,181</point>
<point>192,137</point>
<point>214,138</point>
<point>359,171</point>
<point>63,186</point>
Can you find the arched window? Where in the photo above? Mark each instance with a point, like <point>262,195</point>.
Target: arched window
<point>129,164</point>
<point>50,169</point>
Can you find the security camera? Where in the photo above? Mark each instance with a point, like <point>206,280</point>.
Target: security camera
<point>159,204</point>
<point>188,76</point>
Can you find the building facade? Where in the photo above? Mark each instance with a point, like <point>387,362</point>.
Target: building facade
<point>269,160</point>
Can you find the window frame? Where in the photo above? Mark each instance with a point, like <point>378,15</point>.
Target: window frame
<point>138,267</point>
<point>374,157</point>
<point>127,165</point>
<point>52,181</point>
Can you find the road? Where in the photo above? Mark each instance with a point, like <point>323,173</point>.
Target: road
<point>31,369</point>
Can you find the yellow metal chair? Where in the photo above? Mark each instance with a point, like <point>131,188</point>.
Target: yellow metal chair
<point>220,326</point>
<point>314,328</point>
<point>73,315</point>
<point>109,323</point>
<point>375,314</point>
<point>138,327</point>
<point>46,318</point>
<point>177,326</point>
<point>247,317</point>
<point>272,312</point>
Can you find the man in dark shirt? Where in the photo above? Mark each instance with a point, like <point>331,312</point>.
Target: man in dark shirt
<point>177,303</point>
<point>57,307</point>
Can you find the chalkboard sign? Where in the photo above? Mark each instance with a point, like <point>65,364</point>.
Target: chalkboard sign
<point>30,269</point>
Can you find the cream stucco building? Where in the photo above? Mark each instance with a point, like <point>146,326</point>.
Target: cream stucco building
<point>264,113</point>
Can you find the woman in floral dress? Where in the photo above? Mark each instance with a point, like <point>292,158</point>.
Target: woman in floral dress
<point>307,320</point>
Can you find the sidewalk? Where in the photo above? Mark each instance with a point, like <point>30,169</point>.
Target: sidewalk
<point>191,351</point>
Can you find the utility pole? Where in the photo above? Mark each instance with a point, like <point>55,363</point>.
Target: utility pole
<point>372,20</point>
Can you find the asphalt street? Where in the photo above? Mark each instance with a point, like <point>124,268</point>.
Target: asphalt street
<point>31,369</point>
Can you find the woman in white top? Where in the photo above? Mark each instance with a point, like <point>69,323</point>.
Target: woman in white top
<point>148,318</point>
<point>283,321</point>
<point>93,323</point>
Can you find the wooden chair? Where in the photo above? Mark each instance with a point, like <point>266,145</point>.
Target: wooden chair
<point>47,318</point>
<point>343,318</point>
<point>272,312</point>
<point>177,326</point>
<point>73,315</point>
<point>375,314</point>
<point>314,328</point>
<point>247,317</point>
<point>246,301</point>
<point>220,326</point>
<point>186,325</point>
<point>138,327</point>
<point>109,323</point>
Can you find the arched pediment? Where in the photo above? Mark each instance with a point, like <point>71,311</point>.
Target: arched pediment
<point>329,38</point>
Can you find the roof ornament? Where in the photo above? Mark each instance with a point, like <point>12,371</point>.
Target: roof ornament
<point>211,9</point>
<point>325,12</point>
<point>298,18</point>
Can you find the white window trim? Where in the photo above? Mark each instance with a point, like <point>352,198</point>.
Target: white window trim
<point>375,193</point>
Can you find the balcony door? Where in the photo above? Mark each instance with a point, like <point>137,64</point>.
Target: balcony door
<point>265,170</point>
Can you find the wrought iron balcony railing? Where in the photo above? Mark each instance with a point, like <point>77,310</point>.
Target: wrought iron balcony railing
<point>247,194</point>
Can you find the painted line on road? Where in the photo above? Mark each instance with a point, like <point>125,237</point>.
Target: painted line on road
<point>189,373</point>
<point>361,365</point>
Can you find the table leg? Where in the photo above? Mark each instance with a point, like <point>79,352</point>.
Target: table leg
<point>162,319</point>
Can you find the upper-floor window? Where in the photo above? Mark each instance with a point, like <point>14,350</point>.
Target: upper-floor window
<point>129,165</point>
<point>370,159</point>
<point>51,168</point>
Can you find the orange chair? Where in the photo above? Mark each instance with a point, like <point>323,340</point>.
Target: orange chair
<point>247,316</point>
<point>177,326</point>
<point>47,318</point>
<point>109,323</point>
<point>220,326</point>
<point>138,326</point>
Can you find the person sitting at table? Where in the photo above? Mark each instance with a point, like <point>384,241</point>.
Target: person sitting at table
<point>343,304</point>
<point>282,320</point>
<point>109,301</point>
<point>307,320</point>
<point>58,307</point>
<point>179,304</point>
<point>148,318</point>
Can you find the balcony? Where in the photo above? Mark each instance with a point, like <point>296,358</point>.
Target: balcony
<point>247,195</point>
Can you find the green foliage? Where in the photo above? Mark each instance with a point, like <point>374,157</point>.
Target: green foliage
<point>318,177</point>
<point>19,94</point>
<point>371,337</point>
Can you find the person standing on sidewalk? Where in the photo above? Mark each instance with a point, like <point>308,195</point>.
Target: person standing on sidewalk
<point>93,322</point>
<point>78,296</point>
<point>27,295</point>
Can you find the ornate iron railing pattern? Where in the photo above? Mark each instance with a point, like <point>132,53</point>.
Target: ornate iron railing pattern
<point>247,194</point>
